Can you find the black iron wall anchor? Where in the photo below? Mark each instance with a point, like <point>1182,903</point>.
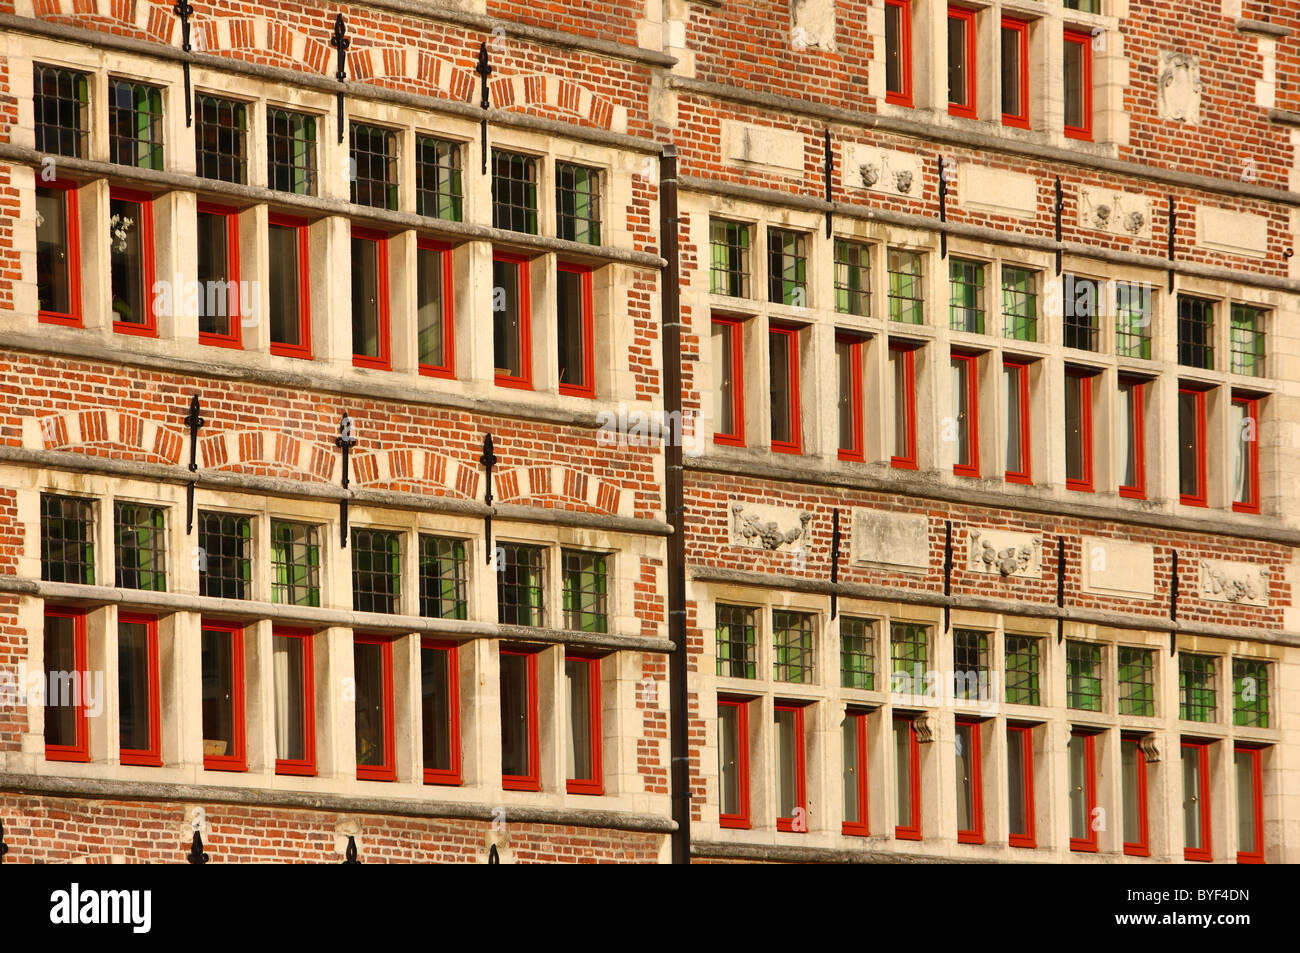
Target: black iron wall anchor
<point>4,848</point>
<point>1060,588</point>
<point>947,573</point>
<point>829,170</point>
<point>340,41</point>
<point>943,209</point>
<point>1173,238</point>
<point>484,70</point>
<point>184,10</point>
<point>835,557</point>
<point>197,855</point>
<point>350,854</point>
<point>345,441</point>
<point>1173,601</point>
<point>1058,205</point>
<point>493,856</point>
<point>195,422</point>
<point>489,460</point>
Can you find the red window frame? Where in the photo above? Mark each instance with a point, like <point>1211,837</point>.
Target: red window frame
<point>588,334</point>
<point>796,422</point>
<point>533,780</point>
<point>72,229</point>
<point>81,750</point>
<point>388,770</point>
<point>383,361</point>
<point>238,759</point>
<point>912,831</point>
<point>1084,484</point>
<point>151,756</point>
<point>1088,844</point>
<point>903,97</point>
<point>1024,475</point>
<point>1206,852</point>
<point>149,328</point>
<point>908,356</point>
<point>1021,28</point>
<point>1199,498</point>
<point>855,452</point>
<point>1084,41</point>
<point>451,775</point>
<point>739,820</point>
<point>737,332</point>
<point>1251,405</point>
<point>971,362</point>
<point>1256,768</point>
<point>302,350</point>
<point>800,780</point>
<point>596,783</point>
<point>861,827</point>
<point>1136,411</point>
<point>448,367</point>
<point>305,766</point>
<point>971,109</point>
<point>974,835</point>
<point>234,308</point>
<point>1142,847</point>
<point>1028,838</point>
<point>525,379</point>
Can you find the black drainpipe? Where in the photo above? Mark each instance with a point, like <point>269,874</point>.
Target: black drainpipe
<point>670,298</point>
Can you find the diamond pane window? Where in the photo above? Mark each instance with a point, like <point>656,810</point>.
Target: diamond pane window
<point>792,646</point>
<point>141,546</point>
<point>225,555</point>
<point>291,151</point>
<point>374,166</point>
<point>135,124</point>
<point>1249,693</point>
<point>221,139</point>
<point>295,557</point>
<point>1019,303</point>
<point>577,203</point>
<point>966,305</point>
<point>787,267</point>
<point>1137,682</point>
<point>1196,332</point>
<point>857,653</point>
<point>514,192</point>
<point>67,539</point>
<point>736,645</point>
<point>1197,696</point>
<point>852,277</point>
<point>61,98</point>
<point>442,577</point>
<point>970,663</point>
<point>1081,302</point>
<point>906,292</point>
<point>728,258</point>
<point>519,585</point>
<point>1022,670</point>
<point>1133,319</point>
<point>438,191</point>
<point>1083,676</point>
<point>908,656</point>
<point>1247,340</point>
<point>376,570</point>
<point>585,591</point>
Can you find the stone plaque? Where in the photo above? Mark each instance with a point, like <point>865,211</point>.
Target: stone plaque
<point>997,191</point>
<point>1004,553</point>
<point>1238,583</point>
<point>1113,567</point>
<point>892,540</point>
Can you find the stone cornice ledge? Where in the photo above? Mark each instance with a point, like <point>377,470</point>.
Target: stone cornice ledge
<point>106,789</point>
<point>778,854</point>
<point>1261,27</point>
<point>1284,117</point>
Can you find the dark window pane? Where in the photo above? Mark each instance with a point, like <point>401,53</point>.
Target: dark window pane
<point>516,705</point>
<point>435,708</point>
<point>218,666</point>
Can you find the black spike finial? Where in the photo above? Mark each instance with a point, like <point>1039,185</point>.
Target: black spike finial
<point>197,855</point>
<point>350,853</point>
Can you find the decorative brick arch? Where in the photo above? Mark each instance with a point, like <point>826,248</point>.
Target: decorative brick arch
<point>155,19</point>
<point>561,485</point>
<point>214,34</point>
<point>540,89</point>
<point>231,449</point>
<point>416,66</point>
<point>111,429</point>
<point>411,465</point>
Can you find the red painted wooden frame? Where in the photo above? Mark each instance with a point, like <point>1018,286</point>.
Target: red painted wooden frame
<point>305,766</point>
<point>388,770</point>
<point>1026,838</point>
<point>971,364</point>
<point>855,451</point>
<point>524,381</point>
<point>532,781</point>
<point>234,307</point>
<point>904,96</point>
<point>1198,498</point>
<point>237,760</point>
<point>796,422</point>
<point>80,751</point>
<point>861,827</point>
<point>1084,483</point>
<point>302,350</point>
<point>1024,475</point>
<point>596,783</point>
<point>907,355</point>
<point>72,232</point>
<point>800,779</point>
<point>976,834</point>
<point>912,831</point>
<point>971,109</point>
<point>149,327</point>
<point>151,756</point>
<point>1206,851</point>
<point>736,329</point>
<point>1137,413</point>
<point>447,368</point>
<point>1251,406</point>
<point>383,361</point>
<point>451,775</point>
<point>588,334</point>
<point>1142,846</point>
<point>1084,41</point>
<point>1088,844</point>
<point>1021,28</point>
<point>1257,808</point>
<point>741,819</point>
